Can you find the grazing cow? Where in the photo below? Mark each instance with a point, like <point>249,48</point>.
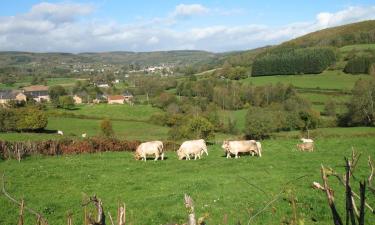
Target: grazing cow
<point>195,148</point>
<point>307,146</point>
<point>236,147</point>
<point>59,132</point>
<point>150,148</point>
<point>84,135</point>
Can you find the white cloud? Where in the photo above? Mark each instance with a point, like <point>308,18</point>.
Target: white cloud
<point>65,27</point>
<point>183,10</point>
<point>60,12</point>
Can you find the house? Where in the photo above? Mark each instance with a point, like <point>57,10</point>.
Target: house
<point>11,95</point>
<point>102,85</point>
<point>77,99</point>
<point>128,97</point>
<point>116,99</point>
<point>37,92</point>
<point>99,99</point>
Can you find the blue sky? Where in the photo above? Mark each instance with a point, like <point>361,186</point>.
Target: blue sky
<point>216,25</point>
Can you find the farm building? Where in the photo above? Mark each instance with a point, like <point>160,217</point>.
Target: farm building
<point>77,99</point>
<point>100,99</point>
<point>37,92</point>
<point>11,95</point>
<point>116,99</point>
<point>128,97</point>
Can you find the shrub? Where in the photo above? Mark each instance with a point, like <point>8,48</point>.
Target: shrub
<point>361,108</point>
<point>55,92</point>
<point>197,127</point>
<point>106,128</point>
<point>31,119</point>
<point>66,102</point>
<point>259,123</point>
<point>358,65</point>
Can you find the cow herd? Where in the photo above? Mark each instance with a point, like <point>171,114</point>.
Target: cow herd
<point>197,148</point>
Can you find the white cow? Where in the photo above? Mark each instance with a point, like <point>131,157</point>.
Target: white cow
<point>84,135</point>
<point>307,140</point>
<point>194,148</point>
<point>236,147</point>
<point>150,148</point>
<point>59,132</point>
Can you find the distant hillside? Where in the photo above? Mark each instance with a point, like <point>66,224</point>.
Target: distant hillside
<point>350,34</point>
<point>182,57</point>
<point>142,58</point>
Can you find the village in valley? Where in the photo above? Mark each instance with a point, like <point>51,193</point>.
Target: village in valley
<point>188,116</point>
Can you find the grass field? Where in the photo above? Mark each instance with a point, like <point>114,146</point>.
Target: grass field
<point>50,82</point>
<point>360,47</point>
<point>116,112</point>
<point>74,128</point>
<point>334,80</point>
<point>153,191</point>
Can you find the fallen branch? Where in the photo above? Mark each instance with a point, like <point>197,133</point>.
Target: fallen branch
<point>40,219</point>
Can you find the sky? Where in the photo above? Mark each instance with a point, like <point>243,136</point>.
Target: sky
<point>156,25</point>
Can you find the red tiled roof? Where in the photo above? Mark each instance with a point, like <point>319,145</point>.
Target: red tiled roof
<point>115,97</point>
<point>36,88</point>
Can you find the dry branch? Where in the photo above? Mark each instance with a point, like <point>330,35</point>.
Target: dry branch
<point>40,219</point>
<point>330,197</point>
<point>189,205</point>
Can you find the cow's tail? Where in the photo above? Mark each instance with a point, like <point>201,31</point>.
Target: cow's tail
<point>259,147</point>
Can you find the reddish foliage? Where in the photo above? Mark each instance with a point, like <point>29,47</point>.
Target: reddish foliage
<point>65,146</point>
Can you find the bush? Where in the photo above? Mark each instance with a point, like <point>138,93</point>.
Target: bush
<point>55,92</point>
<point>359,65</point>
<point>106,128</point>
<point>195,128</point>
<point>361,108</point>
<point>66,102</point>
<point>259,123</point>
<point>22,119</point>
<point>65,146</point>
<point>31,119</point>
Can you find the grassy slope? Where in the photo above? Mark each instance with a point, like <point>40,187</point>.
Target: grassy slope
<point>153,191</point>
<point>332,80</point>
<point>72,127</point>
<point>130,122</point>
<point>324,37</point>
<point>117,112</point>
<point>359,47</point>
<point>50,82</point>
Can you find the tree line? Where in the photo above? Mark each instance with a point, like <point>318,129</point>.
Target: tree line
<point>288,61</point>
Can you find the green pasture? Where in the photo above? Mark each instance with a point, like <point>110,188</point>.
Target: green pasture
<point>74,128</point>
<point>333,80</point>
<point>359,47</point>
<point>153,191</point>
<point>50,82</point>
<point>115,112</point>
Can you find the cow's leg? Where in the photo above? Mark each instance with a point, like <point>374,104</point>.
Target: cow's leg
<point>162,156</point>
<point>252,153</point>
<point>156,156</point>
<point>187,157</point>
<point>195,156</point>
<point>236,155</point>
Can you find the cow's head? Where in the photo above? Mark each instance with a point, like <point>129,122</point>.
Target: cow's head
<point>137,156</point>
<point>180,154</point>
<point>225,145</point>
